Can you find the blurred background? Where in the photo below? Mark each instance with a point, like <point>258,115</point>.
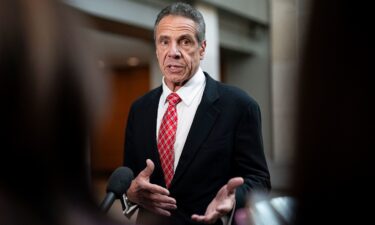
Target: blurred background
<point>252,44</point>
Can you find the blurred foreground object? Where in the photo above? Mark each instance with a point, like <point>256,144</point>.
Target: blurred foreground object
<point>51,96</point>
<point>262,210</point>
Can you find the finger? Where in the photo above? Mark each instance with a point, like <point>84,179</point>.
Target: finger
<point>154,204</point>
<point>152,197</point>
<point>234,183</point>
<point>168,206</point>
<point>148,201</point>
<point>224,208</point>
<point>146,172</point>
<point>156,189</point>
<point>162,198</point>
<point>197,218</point>
<point>209,219</point>
<point>165,206</point>
<point>158,211</point>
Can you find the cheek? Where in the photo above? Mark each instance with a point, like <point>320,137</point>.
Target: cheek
<point>195,58</point>
<point>191,57</point>
<point>160,58</point>
<point>158,53</point>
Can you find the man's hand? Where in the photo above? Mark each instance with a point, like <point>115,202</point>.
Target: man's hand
<point>150,196</point>
<point>222,204</point>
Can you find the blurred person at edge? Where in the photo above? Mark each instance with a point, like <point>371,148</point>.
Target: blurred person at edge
<point>50,96</point>
<point>217,154</point>
<point>333,180</point>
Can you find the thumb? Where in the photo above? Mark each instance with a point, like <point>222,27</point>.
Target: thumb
<point>146,172</point>
<point>234,183</point>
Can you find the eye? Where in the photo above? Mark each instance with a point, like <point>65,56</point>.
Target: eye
<point>185,41</point>
<point>163,42</point>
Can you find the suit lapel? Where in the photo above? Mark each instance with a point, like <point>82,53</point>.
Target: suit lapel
<point>202,124</point>
<point>150,132</point>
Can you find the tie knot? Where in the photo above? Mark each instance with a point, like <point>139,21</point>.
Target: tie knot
<point>173,99</point>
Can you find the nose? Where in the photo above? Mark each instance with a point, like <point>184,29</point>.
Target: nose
<point>174,51</point>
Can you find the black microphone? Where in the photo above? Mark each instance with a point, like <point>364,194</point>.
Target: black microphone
<point>118,184</point>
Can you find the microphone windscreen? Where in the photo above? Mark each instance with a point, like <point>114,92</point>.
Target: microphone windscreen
<point>119,181</point>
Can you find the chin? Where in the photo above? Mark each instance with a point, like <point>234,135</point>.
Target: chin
<point>175,78</point>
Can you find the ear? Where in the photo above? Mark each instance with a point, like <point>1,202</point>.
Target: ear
<point>202,49</point>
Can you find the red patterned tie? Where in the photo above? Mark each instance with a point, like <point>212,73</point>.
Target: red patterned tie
<point>167,137</point>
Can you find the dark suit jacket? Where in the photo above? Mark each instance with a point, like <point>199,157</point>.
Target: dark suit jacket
<point>224,141</point>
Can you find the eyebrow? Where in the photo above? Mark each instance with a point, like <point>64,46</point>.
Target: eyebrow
<point>187,36</point>
<point>164,37</point>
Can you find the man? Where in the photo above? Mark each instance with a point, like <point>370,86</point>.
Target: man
<point>198,162</point>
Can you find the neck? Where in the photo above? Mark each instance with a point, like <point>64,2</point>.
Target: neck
<point>175,86</point>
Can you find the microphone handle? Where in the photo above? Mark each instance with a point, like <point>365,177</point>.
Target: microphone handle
<point>107,202</point>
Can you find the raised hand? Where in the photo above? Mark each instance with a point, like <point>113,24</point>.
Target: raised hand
<point>222,204</point>
<point>150,196</point>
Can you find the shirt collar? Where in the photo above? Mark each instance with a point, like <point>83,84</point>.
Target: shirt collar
<point>187,92</point>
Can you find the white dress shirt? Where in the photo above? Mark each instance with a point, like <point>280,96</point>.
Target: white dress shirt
<point>191,95</point>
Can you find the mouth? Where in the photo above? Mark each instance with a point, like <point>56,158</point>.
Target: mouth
<point>174,68</point>
<point>174,65</point>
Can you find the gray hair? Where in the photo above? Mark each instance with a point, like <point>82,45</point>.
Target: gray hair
<point>184,10</point>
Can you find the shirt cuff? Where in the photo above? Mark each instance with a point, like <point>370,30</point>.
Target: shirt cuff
<point>128,207</point>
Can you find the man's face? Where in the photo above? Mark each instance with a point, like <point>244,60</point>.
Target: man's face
<point>178,50</point>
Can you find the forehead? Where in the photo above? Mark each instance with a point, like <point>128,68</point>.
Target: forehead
<point>175,24</point>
